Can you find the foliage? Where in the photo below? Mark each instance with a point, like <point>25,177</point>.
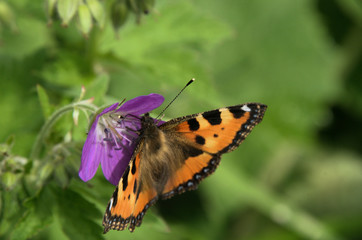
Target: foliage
<point>297,176</point>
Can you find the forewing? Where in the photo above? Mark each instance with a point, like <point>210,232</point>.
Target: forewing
<point>212,133</point>
<point>221,130</point>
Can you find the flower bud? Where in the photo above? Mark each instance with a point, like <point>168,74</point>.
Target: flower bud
<point>11,170</point>
<point>133,5</point>
<point>119,14</point>
<point>5,148</point>
<point>68,137</point>
<point>82,92</point>
<point>67,9</point>
<point>9,180</point>
<point>61,176</point>
<point>85,19</point>
<point>146,5</point>
<point>7,16</point>
<point>97,11</point>
<point>50,6</point>
<point>45,172</point>
<point>75,116</point>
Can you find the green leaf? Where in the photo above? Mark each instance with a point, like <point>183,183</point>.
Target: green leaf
<point>171,29</point>
<point>354,7</point>
<point>166,52</point>
<point>281,56</point>
<point>61,176</point>
<point>76,215</point>
<point>38,215</point>
<point>98,88</point>
<point>44,101</point>
<point>31,35</point>
<point>64,72</point>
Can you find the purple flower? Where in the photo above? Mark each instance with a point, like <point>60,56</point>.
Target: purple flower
<point>112,138</point>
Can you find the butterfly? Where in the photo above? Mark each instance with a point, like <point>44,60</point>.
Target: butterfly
<point>174,157</point>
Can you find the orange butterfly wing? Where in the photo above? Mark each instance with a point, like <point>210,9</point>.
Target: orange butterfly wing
<point>129,201</point>
<point>208,135</point>
<point>214,133</point>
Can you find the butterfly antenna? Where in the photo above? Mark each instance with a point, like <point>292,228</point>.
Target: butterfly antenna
<point>191,81</point>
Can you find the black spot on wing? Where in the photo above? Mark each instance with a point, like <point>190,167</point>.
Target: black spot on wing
<point>215,135</point>
<point>139,190</point>
<point>236,111</point>
<point>200,140</point>
<point>133,170</point>
<point>190,151</point>
<point>194,152</point>
<point>115,197</point>
<point>135,186</point>
<point>125,179</point>
<point>193,124</point>
<point>256,115</point>
<point>213,117</point>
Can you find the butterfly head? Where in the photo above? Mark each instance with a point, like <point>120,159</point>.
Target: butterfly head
<point>148,124</point>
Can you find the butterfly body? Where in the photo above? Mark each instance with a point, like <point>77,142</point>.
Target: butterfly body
<point>174,157</point>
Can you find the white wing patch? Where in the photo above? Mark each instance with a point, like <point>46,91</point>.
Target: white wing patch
<point>245,108</point>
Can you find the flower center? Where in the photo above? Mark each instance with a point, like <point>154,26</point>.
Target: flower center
<point>119,131</point>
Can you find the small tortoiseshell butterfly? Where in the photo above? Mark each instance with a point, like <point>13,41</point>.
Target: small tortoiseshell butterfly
<point>175,157</point>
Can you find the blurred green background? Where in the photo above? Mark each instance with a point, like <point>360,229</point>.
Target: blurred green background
<point>297,176</point>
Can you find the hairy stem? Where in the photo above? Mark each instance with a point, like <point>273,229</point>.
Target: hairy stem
<point>50,122</point>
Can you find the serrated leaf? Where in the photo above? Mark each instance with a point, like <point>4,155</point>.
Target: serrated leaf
<point>44,101</point>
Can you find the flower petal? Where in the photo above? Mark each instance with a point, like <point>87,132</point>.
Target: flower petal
<point>91,154</point>
<point>142,104</point>
<point>116,162</point>
<point>108,109</point>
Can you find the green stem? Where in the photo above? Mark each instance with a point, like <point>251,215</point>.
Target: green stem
<point>50,122</point>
